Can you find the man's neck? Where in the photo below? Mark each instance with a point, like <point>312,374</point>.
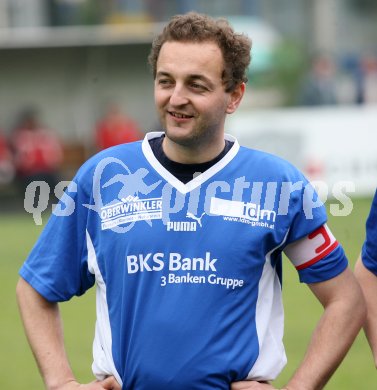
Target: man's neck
<point>192,155</point>
<point>184,172</point>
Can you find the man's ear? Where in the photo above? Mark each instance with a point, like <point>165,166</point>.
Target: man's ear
<point>235,98</point>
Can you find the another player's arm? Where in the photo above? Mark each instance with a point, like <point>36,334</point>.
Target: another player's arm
<point>368,283</point>
<point>44,331</point>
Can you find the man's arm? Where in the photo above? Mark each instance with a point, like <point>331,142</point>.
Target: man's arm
<point>342,319</point>
<point>368,283</point>
<point>44,331</point>
<point>343,316</point>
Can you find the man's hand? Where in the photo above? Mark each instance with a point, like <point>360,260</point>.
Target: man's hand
<point>109,383</point>
<point>251,385</point>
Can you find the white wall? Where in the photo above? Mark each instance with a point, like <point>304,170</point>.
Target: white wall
<point>331,145</point>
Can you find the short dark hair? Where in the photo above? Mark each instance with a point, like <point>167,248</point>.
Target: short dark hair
<point>195,27</point>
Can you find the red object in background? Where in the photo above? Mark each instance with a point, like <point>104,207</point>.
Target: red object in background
<point>314,169</point>
<point>4,151</point>
<point>6,162</point>
<point>37,150</point>
<point>116,129</point>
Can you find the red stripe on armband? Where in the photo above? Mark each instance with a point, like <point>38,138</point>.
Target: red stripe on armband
<point>312,248</point>
<point>319,257</point>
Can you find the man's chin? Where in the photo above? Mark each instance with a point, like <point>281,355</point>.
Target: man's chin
<point>178,131</point>
<point>180,135</point>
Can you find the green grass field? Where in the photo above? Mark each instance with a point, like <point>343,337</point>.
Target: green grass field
<point>19,372</point>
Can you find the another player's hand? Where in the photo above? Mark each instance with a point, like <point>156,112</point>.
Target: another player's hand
<point>251,385</point>
<point>109,383</point>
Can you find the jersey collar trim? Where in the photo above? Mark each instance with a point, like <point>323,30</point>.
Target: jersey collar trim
<point>198,180</point>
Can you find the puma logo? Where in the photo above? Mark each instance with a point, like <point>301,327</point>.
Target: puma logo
<point>198,219</point>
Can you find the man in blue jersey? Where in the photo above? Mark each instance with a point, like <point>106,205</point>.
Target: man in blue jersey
<point>183,235</point>
<point>366,273</point>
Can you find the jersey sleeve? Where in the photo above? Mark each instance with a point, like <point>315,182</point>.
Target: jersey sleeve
<point>57,266</point>
<point>369,248</point>
<point>317,256</point>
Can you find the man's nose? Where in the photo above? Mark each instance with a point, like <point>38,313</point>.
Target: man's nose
<point>178,96</point>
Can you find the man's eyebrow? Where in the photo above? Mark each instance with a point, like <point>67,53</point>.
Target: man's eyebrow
<point>201,78</point>
<point>198,77</point>
<point>162,74</point>
<point>190,77</point>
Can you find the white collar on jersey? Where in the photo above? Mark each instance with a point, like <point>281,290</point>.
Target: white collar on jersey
<point>198,180</point>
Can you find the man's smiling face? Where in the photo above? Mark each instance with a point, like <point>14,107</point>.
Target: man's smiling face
<point>189,92</point>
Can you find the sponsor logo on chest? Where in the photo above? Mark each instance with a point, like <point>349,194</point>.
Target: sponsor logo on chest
<point>131,209</point>
<point>244,212</point>
<point>186,226</point>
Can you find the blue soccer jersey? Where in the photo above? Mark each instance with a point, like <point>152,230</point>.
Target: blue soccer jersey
<point>369,249</point>
<point>188,276</point>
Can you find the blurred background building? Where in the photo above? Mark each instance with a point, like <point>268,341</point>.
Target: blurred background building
<point>67,58</point>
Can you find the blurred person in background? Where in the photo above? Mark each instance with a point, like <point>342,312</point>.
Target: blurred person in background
<point>366,273</point>
<point>362,74</point>
<point>116,128</point>
<point>6,161</point>
<point>189,295</point>
<point>38,152</point>
<point>368,74</point>
<point>319,87</point>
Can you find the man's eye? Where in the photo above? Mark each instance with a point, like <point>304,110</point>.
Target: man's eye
<point>198,86</point>
<point>164,82</point>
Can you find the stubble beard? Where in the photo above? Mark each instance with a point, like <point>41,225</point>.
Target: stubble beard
<point>202,134</point>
